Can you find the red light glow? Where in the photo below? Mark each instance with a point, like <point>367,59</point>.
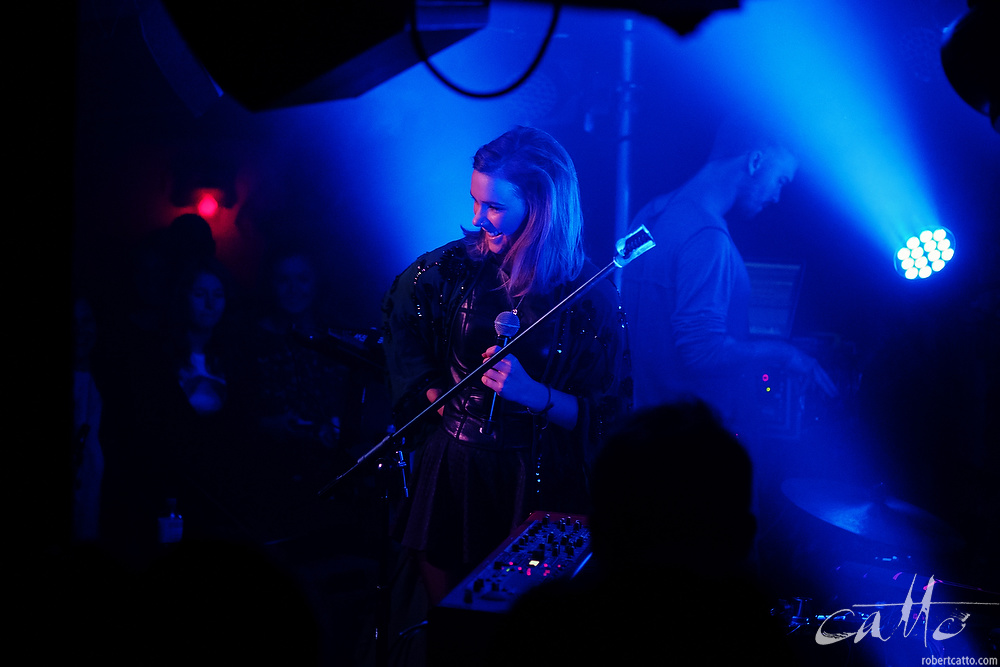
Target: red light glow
<point>207,205</point>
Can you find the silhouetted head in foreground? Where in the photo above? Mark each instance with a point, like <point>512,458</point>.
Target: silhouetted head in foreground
<point>673,488</point>
<point>671,528</point>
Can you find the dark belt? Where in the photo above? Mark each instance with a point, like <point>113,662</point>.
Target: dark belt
<point>464,419</point>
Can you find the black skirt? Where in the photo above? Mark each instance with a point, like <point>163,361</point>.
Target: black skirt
<point>466,501</point>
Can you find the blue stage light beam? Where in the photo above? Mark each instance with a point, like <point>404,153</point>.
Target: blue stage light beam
<point>821,71</point>
<point>406,146</point>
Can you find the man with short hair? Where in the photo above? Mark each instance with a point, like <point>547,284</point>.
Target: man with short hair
<point>688,300</point>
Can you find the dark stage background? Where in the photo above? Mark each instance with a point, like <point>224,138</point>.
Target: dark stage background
<point>368,182</point>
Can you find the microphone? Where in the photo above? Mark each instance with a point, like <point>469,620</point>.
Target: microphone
<point>632,245</point>
<point>506,325</point>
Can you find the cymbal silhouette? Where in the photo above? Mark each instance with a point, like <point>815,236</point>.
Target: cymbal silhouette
<point>872,514</point>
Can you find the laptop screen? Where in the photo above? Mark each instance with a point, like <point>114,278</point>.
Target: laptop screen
<point>774,295</point>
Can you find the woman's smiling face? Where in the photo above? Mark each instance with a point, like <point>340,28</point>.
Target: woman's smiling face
<point>497,209</point>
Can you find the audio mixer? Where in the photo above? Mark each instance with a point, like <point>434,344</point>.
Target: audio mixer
<point>547,546</point>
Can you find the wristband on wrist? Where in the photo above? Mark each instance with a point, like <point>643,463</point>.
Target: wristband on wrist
<point>548,405</point>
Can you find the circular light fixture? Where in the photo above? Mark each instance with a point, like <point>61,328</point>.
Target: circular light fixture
<point>925,254</point>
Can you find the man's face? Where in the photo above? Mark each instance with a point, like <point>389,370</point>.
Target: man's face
<point>295,285</point>
<point>764,181</point>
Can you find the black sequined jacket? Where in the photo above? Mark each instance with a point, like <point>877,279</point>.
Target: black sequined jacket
<point>583,352</point>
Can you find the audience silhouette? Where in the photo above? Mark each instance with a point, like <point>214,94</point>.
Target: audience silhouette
<point>671,531</point>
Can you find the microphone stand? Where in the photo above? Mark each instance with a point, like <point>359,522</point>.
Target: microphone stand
<point>628,248</point>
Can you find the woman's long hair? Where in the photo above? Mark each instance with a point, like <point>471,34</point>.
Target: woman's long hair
<point>549,248</point>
